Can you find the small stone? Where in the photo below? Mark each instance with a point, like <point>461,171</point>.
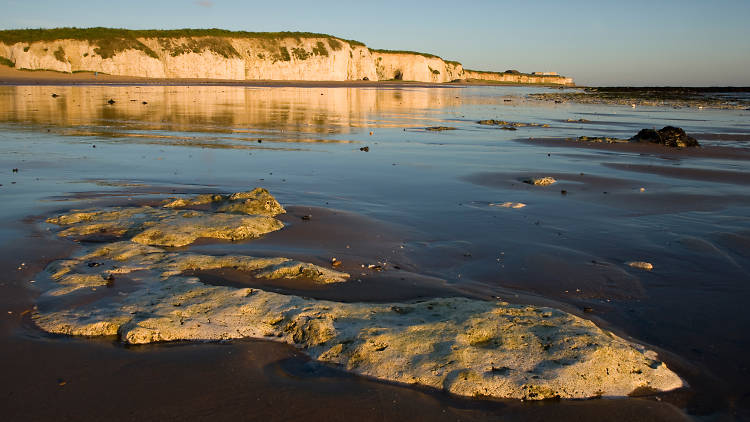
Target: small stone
<point>307,217</point>
<point>642,265</point>
<point>111,101</point>
<point>541,181</point>
<point>514,205</point>
<point>365,149</point>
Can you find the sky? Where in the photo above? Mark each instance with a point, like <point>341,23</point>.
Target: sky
<point>605,42</point>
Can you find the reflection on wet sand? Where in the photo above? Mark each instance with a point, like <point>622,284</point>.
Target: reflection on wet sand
<point>221,109</point>
<point>568,248</point>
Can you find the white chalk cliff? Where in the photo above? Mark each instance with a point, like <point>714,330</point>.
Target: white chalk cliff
<point>301,58</point>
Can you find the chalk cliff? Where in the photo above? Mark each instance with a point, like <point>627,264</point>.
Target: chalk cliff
<point>216,54</point>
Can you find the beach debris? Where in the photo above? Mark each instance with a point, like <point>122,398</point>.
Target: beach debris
<point>365,149</point>
<point>514,205</point>
<point>439,128</point>
<point>647,266</point>
<point>541,181</point>
<point>670,136</point>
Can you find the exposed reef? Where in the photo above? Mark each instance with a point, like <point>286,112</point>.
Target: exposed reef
<point>676,97</point>
<point>464,346</point>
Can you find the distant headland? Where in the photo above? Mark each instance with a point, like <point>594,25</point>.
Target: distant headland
<point>237,56</point>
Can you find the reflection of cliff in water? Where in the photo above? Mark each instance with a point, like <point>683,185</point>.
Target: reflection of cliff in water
<point>222,109</point>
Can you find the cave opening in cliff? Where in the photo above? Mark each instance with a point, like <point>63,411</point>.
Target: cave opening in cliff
<point>398,75</point>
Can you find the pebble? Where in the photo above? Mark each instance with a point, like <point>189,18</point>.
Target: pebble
<point>642,265</point>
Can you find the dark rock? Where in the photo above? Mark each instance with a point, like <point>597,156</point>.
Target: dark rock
<point>508,128</point>
<point>439,128</point>
<point>307,217</point>
<point>144,103</point>
<point>15,170</point>
<point>669,136</point>
<point>675,136</point>
<point>111,101</point>
<point>365,149</point>
<point>55,95</point>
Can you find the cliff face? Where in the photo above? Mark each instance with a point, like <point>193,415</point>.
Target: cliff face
<point>241,58</point>
<point>517,78</point>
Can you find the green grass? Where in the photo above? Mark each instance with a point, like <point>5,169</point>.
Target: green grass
<point>220,46</point>
<point>60,55</point>
<point>336,44</point>
<point>13,36</point>
<point>283,55</point>
<point>434,71</point>
<point>300,53</point>
<point>320,49</point>
<point>428,55</point>
<point>6,62</point>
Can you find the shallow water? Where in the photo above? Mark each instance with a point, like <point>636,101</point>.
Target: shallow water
<point>419,200</point>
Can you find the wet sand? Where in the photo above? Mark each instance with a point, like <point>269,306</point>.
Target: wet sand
<point>10,76</point>
<point>429,193</point>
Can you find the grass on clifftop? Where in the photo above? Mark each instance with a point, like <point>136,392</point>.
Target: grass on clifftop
<point>13,36</point>
<point>428,55</point>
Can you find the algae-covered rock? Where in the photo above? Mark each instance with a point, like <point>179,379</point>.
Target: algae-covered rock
<point>255,202</point>
<point>464,346</point>
<point>670,136</point>
<point>168,226</point>
<point>541,181</point>
<point>453,344</point>
<point>126,257</point>
<point>181,231</point>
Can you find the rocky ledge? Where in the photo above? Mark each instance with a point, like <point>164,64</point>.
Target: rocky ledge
<point>464,346</point>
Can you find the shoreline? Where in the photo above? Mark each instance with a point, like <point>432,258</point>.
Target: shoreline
<point>15,77</point>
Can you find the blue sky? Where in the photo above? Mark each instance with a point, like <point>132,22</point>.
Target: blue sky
<point>606,42</point>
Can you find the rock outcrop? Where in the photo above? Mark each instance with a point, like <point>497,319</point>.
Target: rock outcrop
<point>464,346</point>
<point>215,54</point>
<point>670,136</point>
